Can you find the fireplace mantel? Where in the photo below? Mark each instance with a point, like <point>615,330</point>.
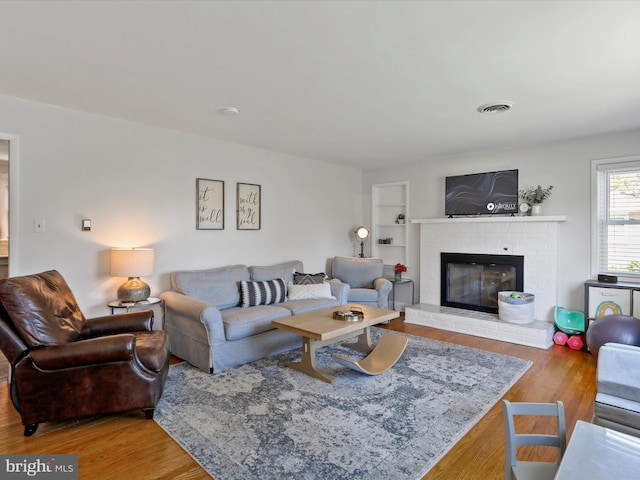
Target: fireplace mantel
<point>493,219</point>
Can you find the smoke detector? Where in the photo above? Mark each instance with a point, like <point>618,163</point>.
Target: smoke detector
<point>230,110</point>
<point>495,107</point>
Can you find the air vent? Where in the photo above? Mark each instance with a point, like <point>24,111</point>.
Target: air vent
<point>497,107</point>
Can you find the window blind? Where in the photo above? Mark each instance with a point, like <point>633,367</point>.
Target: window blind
<point>618,218</point>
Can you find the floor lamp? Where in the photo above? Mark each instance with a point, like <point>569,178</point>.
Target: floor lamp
<point>362,234</point>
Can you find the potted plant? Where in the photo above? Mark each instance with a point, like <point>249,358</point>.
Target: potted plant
<point>399,268</point>
<point>534,196</point>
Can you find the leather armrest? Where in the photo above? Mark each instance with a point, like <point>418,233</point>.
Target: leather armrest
<point>113,348</point>
<point>138,321</point>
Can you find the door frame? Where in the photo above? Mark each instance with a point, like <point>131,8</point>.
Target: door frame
<point>13,200</point>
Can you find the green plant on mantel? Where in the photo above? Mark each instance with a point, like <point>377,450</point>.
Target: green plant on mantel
<point>536,195</point>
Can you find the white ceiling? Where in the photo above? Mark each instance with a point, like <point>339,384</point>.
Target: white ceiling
<point>361,83</point>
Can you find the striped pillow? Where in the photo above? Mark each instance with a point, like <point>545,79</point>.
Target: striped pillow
<point>262,293</point>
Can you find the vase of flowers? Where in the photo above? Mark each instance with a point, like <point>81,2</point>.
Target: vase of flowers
<point>534,196</point>
<point>399,268</point>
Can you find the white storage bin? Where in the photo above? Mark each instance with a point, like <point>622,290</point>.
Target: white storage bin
<point>609,301</point>
<point>520,309</point>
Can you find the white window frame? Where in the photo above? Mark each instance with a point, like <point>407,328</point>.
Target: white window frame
<point>599,209</point>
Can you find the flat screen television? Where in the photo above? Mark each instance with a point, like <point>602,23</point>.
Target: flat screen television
<point>487,193</point>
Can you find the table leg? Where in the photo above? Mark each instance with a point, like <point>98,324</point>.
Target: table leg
<point>307,363</point>
<point>363,344</point>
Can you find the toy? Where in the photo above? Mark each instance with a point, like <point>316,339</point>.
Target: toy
<point>569,321</point>
<point>615,329</point>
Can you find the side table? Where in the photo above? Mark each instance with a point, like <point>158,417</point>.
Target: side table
<point>116,304</point>
<point>150,303</point>
<point>404,281</point>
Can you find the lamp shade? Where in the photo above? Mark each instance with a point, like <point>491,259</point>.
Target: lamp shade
<point>132,262</point>
<point>362,233</point>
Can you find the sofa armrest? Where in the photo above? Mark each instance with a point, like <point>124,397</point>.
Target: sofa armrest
<point>177,304</point>
<point>93,351</point>
<point>617,374</point>
<point>383,286</point>
<point>139,321</point>
<point>339,290</point>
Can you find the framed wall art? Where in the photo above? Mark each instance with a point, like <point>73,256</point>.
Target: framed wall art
<point>248,206</point>
<point>209,204</point>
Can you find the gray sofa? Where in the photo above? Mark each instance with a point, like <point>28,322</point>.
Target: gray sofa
<point>617,402</point>
<point>209,328</point>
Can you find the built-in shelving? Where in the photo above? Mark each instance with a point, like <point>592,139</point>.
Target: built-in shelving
<point>389,233</point>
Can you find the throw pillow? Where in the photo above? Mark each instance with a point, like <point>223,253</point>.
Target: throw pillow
<point>309,291</point>
<point>308,278</point>
<point>262,293</point>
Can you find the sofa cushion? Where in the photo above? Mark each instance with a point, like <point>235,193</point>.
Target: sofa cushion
<point>357,272</point>
<point>308,278</point>
<point>217,286</point>
<point>281,270</point>
<point>246,322</point>
<point>310,291</point>
<point>262,293</point>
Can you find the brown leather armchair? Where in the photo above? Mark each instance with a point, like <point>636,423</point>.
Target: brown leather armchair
<point>65,366</point>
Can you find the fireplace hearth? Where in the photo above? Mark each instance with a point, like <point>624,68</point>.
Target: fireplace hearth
<point>472,281</point>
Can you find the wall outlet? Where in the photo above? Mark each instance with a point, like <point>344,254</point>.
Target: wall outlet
<point>38,226</point>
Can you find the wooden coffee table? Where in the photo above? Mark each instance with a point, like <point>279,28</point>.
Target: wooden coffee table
<point>318,329</point>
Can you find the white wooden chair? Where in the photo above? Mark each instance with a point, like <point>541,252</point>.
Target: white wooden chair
<point>520,470</point>
<point>384,355</point>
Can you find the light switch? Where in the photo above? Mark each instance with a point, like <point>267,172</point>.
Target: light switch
<point>86,225</point>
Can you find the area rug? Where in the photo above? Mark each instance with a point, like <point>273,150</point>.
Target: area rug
<point>266,421</point>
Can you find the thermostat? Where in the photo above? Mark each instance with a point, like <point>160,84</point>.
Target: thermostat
<point>86,225</point>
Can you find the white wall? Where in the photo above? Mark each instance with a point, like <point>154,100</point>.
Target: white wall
<point>565,165</point>
<point>137,185</point>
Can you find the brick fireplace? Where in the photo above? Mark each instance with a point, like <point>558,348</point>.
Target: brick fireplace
<point>534,238</point>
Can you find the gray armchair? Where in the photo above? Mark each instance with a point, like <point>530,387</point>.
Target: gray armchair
<point>617,403</point>
<point>364,277</point>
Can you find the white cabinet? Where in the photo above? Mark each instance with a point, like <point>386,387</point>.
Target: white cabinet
<point>390,222</point>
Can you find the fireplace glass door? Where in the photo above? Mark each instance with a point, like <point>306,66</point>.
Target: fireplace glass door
<point>473,282</point>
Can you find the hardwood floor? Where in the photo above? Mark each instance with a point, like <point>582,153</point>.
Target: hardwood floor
<point>128,446</point>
